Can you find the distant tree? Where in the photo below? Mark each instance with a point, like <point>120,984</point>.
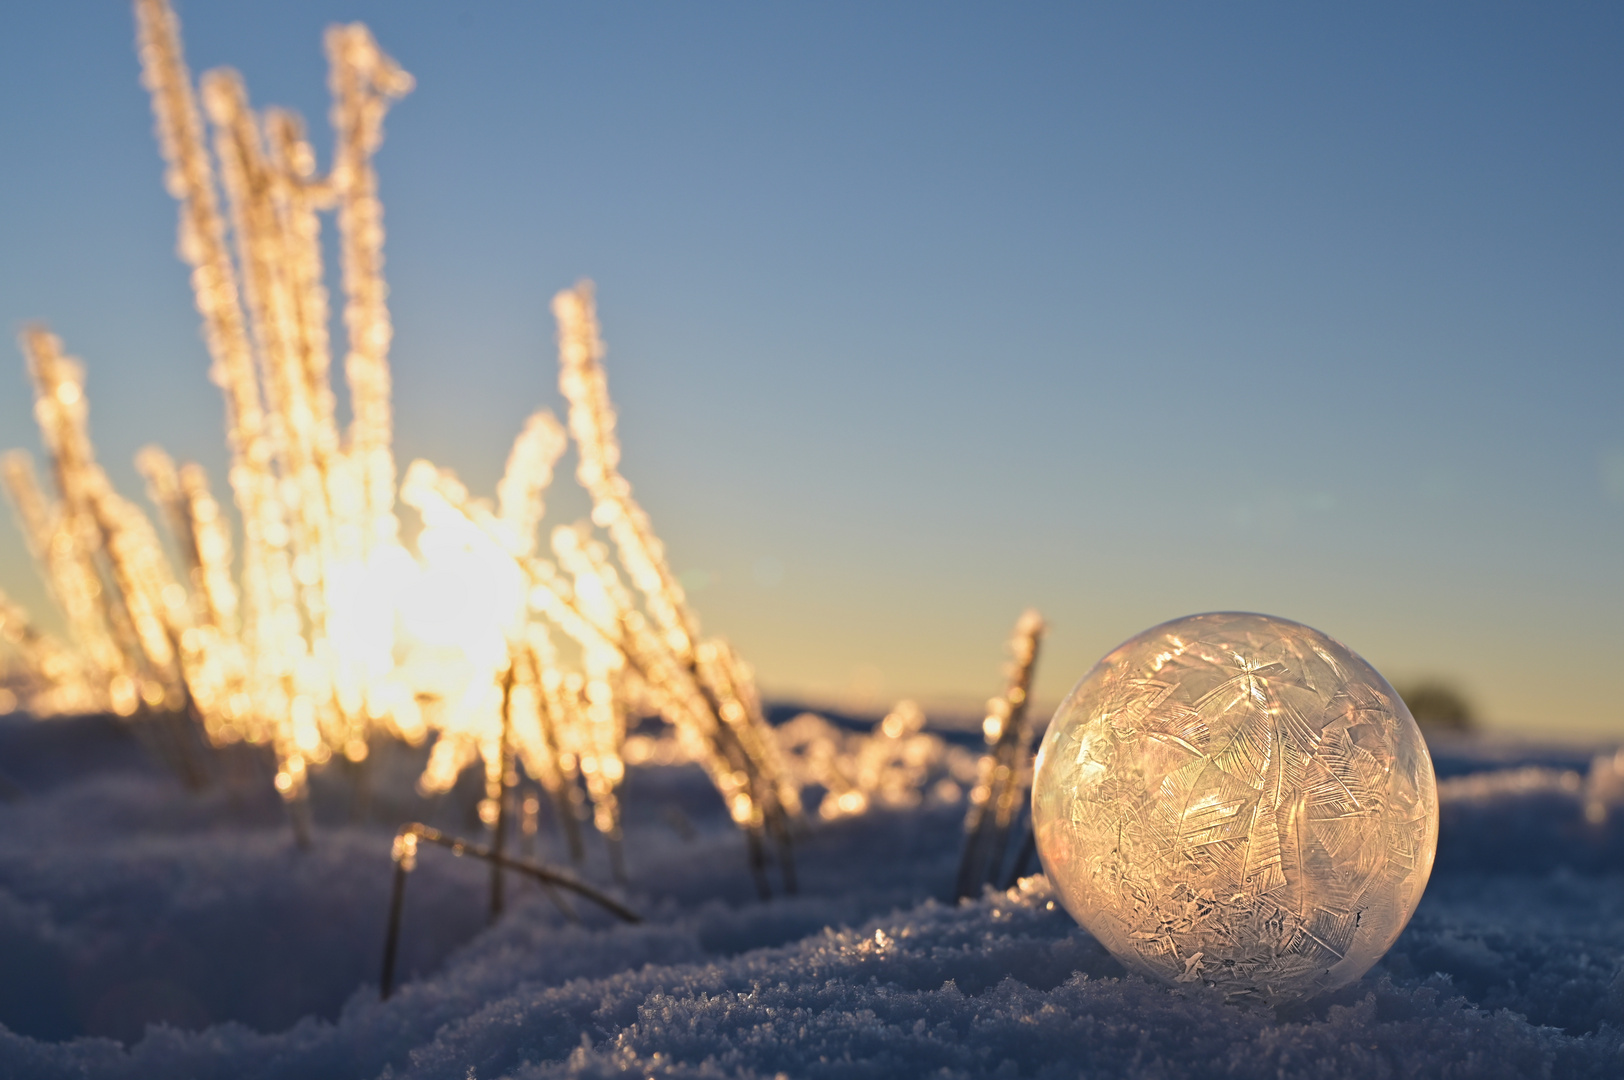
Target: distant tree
<point>1438,706</point>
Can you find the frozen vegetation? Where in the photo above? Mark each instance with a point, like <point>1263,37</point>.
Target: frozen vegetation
<point>148,932</point>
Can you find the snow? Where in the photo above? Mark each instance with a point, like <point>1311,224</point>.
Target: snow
<point>149,932</point>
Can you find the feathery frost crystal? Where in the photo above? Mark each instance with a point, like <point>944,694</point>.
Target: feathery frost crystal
<point>1237,800</point>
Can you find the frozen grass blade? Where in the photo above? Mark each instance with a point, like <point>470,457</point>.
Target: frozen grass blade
<point>364,82</point>
<point>705,688</point>
<point>1006,767</point>
<point>52,677</point>
<point>506,782</point>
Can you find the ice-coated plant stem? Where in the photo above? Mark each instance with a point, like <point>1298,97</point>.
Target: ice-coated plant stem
<point>405,856</point>
<point>504,797</point>
<point>391,938</point>
<point>1023,856</point>
<point>1006,767</point>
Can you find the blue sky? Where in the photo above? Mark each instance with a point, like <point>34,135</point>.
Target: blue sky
<point>919,314</point>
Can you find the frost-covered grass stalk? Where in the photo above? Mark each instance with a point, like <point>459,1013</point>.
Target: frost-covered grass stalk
<point>999,796</point>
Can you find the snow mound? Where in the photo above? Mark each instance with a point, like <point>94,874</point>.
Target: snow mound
<point>147,933</point>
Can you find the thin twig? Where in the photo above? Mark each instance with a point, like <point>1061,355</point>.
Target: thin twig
<point>405,856</point>
<point>299,817</point>
<point>391,940</point>
<point>548,875</point>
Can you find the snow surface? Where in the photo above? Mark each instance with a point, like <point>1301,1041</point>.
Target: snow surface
<point>148,932</point>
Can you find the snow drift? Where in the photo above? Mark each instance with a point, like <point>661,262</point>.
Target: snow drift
<point>145,932</point>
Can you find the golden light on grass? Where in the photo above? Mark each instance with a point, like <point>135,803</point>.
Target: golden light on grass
<point>321,632</point>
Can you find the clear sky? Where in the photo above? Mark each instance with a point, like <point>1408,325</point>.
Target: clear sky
<point>920,314</point>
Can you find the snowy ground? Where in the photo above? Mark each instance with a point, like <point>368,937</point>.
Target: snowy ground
<point>146,932</point>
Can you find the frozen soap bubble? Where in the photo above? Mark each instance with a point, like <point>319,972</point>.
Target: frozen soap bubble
<point>1237,800</point>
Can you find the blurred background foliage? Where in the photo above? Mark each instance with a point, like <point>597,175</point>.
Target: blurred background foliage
<point>1438,706</point>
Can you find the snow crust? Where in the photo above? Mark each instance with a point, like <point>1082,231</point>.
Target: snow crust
<point>146,932</point>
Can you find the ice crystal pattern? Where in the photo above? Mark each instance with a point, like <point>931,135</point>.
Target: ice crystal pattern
<point>1237,800</point>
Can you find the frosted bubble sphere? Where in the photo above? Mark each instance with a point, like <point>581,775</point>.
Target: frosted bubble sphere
<point>1237,800</point>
